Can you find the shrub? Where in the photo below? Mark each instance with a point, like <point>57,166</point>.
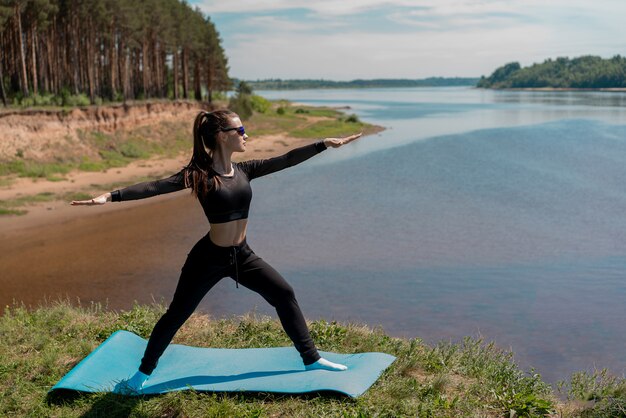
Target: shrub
<point>259,104</point>
<point>218,95</point>
<point>241,104</point>
<point>353,119</point>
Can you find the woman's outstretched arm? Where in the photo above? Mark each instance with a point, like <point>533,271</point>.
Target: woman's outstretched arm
<point>337,142</point>
<point>259,168</point>
<point>100,200</point>
<point>138,191</point>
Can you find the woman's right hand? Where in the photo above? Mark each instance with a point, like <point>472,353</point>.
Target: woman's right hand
<point>100,200</point>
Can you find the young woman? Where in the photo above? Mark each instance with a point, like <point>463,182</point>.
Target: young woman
<point>223,190</point>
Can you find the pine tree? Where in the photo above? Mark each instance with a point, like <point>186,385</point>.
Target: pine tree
<point>108,48</point>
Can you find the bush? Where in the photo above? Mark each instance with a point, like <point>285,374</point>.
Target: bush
<point>79,100</point>
<point>64,97</point>
<point>280,110</point>
<point>241,104</point>
<point>353,119</point>
<point>132,150</point>
<point>218,95</point>
<point>259,104</point>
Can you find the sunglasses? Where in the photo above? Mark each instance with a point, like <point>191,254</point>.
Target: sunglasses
<point>240,130</point>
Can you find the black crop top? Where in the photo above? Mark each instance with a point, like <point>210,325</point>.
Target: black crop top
<point>231,200</point>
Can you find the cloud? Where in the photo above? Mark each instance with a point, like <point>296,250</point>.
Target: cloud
<point>350,55</point>
<point>408,38</point>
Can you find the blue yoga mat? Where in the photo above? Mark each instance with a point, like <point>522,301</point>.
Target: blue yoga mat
<point>181,367</point>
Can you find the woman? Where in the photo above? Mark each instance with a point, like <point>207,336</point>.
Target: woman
<point>223,189</point>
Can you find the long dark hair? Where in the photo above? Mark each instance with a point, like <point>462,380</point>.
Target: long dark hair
<point>199,173</point>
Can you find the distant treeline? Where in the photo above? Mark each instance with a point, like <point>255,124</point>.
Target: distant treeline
<point>583,72</point>
<point>278,84</point>
<point>108,49</point>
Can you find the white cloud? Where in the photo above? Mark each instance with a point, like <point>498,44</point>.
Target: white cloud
<point>411,38</point>
<point>363,55</point>
<point>325,7</point>
<point>429,7</point>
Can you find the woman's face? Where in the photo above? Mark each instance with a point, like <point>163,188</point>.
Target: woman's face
<point>233,140</point>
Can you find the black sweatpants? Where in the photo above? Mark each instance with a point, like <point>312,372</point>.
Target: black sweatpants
<point>206,265</point>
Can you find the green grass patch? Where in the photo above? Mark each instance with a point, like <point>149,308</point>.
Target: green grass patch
<point>305,122</point>
<point>34,169</point>
<point>470,378</point>
<point>68,197</point>
<point>329,128</point>
<point>6,181</point>
<point>169,139</point>
<point>113,150</point>
<point>317,111</point>
<point>90,165</point>
<point>272,123</point>
<point>11,212</point>
<point>16,206</point>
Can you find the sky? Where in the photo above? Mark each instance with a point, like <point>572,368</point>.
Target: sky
<point>365,39</point>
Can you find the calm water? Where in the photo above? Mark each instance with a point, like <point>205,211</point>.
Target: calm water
<point>493,214</point>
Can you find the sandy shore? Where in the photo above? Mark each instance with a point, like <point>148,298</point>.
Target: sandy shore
<point>59,211</point>
<point>114,254</point>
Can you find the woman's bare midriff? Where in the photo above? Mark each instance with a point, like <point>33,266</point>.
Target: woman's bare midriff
<point>228,234</point>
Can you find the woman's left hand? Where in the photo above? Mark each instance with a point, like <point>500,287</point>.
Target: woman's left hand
<point>337,142</point>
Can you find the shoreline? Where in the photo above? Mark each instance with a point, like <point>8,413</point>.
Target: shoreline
<point>560,89</point>
<point>49,135</point>
<point>53,211</point>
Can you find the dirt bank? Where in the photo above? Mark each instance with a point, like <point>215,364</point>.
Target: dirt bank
<point>41,213</point>
<point>68,135</point>
<point>21,131</point>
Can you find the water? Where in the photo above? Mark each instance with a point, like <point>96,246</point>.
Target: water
<point>490,214</point>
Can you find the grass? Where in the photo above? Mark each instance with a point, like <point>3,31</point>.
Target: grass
<point>11,212</point>
<point>166,139</point>
<point>330,128</point>
<point>37,347</point>
<point>17,206</point>
<point>306,122</point>
<point>110,150</point>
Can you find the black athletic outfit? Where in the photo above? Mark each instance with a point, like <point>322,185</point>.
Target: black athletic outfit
<point>208,263</point>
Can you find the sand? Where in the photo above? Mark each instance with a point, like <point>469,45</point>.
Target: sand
<point>58,211</point>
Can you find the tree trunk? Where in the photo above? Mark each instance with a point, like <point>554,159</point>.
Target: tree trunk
<point>137,73</point>
<point>185,73</point>
<point>99,70</point>
<point>209,80</point>
<point>33,45</point>
<point>113,61</point>
<point>75,64</point>
<point>156,70</point>
<point>24,79</point>
<point>124,67</point>
<point>52,67</point>
<point>49,80</point>
<point>2,93</point>
<point>144,59</point>
<point>90,63</point>
<point>175,65</point>
<point>197,81</point>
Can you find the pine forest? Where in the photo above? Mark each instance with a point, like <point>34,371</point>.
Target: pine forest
<point>109,50</point>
